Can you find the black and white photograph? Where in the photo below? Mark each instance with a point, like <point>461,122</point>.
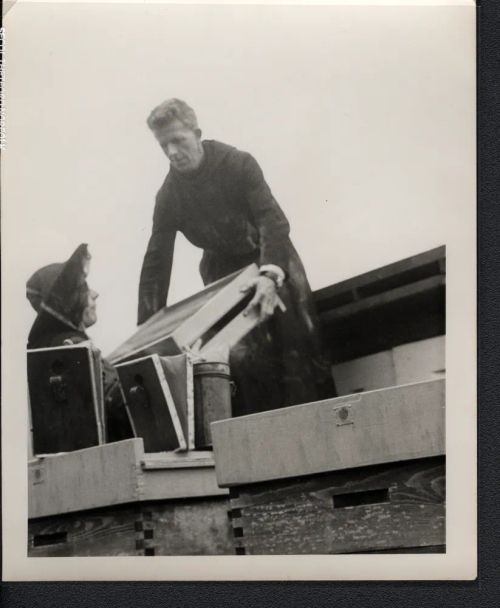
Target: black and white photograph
<point>238,291</point>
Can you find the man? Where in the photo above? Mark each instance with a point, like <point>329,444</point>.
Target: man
<point>217,197</point>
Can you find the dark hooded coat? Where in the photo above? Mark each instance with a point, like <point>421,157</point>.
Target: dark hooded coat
<point>227,209</point>
<point>59,293</point>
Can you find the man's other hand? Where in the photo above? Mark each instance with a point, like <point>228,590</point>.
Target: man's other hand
<point>265,298</point>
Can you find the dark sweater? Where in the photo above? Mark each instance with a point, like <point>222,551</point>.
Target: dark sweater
<point>227,209</point>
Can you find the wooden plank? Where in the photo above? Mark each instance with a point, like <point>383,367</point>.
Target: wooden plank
<point>152,408</point>
<point>399,423</point>
<point>365,373</point>
<point>85,479</point>
<point>182,482</point>
<point>105,532</point>
<point>116,473</point>
<point>419,361</point>
<point>406,271</point>
<point>64,398</point>
<point>231,334</point>
<point>379,508</point>
<point>178,460</point>
<point>163,338</point>
<point>383,299</point>
<point>179,375</point>
<point>215,308</point>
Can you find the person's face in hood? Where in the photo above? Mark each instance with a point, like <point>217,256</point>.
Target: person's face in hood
<point>182,146</point>
<point>89,316</point>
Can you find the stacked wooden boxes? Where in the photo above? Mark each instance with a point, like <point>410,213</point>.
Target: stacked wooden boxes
<point>115,499</point>
<point>159,366</point>
<point>362,473</point>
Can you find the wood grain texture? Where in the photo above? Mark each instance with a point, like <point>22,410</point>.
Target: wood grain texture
<point>396,506</point>
<point>85,479</point>
<point>398,423</point>
<point>117,473</point>
<point>178,527</point>
<point>194,527</point>
<point>95,533</point>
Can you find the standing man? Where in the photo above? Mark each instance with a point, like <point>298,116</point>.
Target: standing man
<point>217,197</point>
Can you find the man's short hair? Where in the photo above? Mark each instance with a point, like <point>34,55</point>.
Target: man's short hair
<point>170,110</point>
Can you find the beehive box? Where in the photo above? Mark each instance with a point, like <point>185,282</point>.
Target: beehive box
<point>116,500</point>
<point>361,473</point>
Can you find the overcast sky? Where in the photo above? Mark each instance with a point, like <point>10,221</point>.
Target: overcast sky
<point>361,119</point>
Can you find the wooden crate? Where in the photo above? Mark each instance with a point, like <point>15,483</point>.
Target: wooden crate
<point>159,393</point>
<point>352,474</point>
<point>174,329</point>
<point>65,397</point>
<point>117,500</point>
<point>387,425</point>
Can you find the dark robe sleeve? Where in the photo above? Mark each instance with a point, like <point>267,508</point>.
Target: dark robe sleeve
<point>271,223</point>
<point>157,265</point>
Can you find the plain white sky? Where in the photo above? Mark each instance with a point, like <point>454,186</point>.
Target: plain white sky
<point>361,118</point>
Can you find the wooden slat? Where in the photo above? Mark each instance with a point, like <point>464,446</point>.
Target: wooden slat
<point>405,269</point>
<point>221,303</point>
<point>179,375</point>
<point>382,299</point>
<point>85,479</point>
<point>182,482</point>
<point>178,460</point>
<point>386,425</point>
<point>385,507</point>
<point>231,334</point>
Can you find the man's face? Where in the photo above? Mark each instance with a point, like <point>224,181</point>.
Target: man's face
<point>181,145</point>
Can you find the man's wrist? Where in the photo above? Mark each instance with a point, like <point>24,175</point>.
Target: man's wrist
<point>275,273</point>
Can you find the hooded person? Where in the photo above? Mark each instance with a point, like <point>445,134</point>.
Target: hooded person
<point>66,307</point>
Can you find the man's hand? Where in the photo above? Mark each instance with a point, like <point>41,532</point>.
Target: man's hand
<point>265,298</point>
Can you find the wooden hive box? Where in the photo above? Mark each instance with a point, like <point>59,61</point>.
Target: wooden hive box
<point>159,393</point>
<point>115,499</point>
<point>209,319</point>
<point>360,473</point>
<point>66,398</point>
